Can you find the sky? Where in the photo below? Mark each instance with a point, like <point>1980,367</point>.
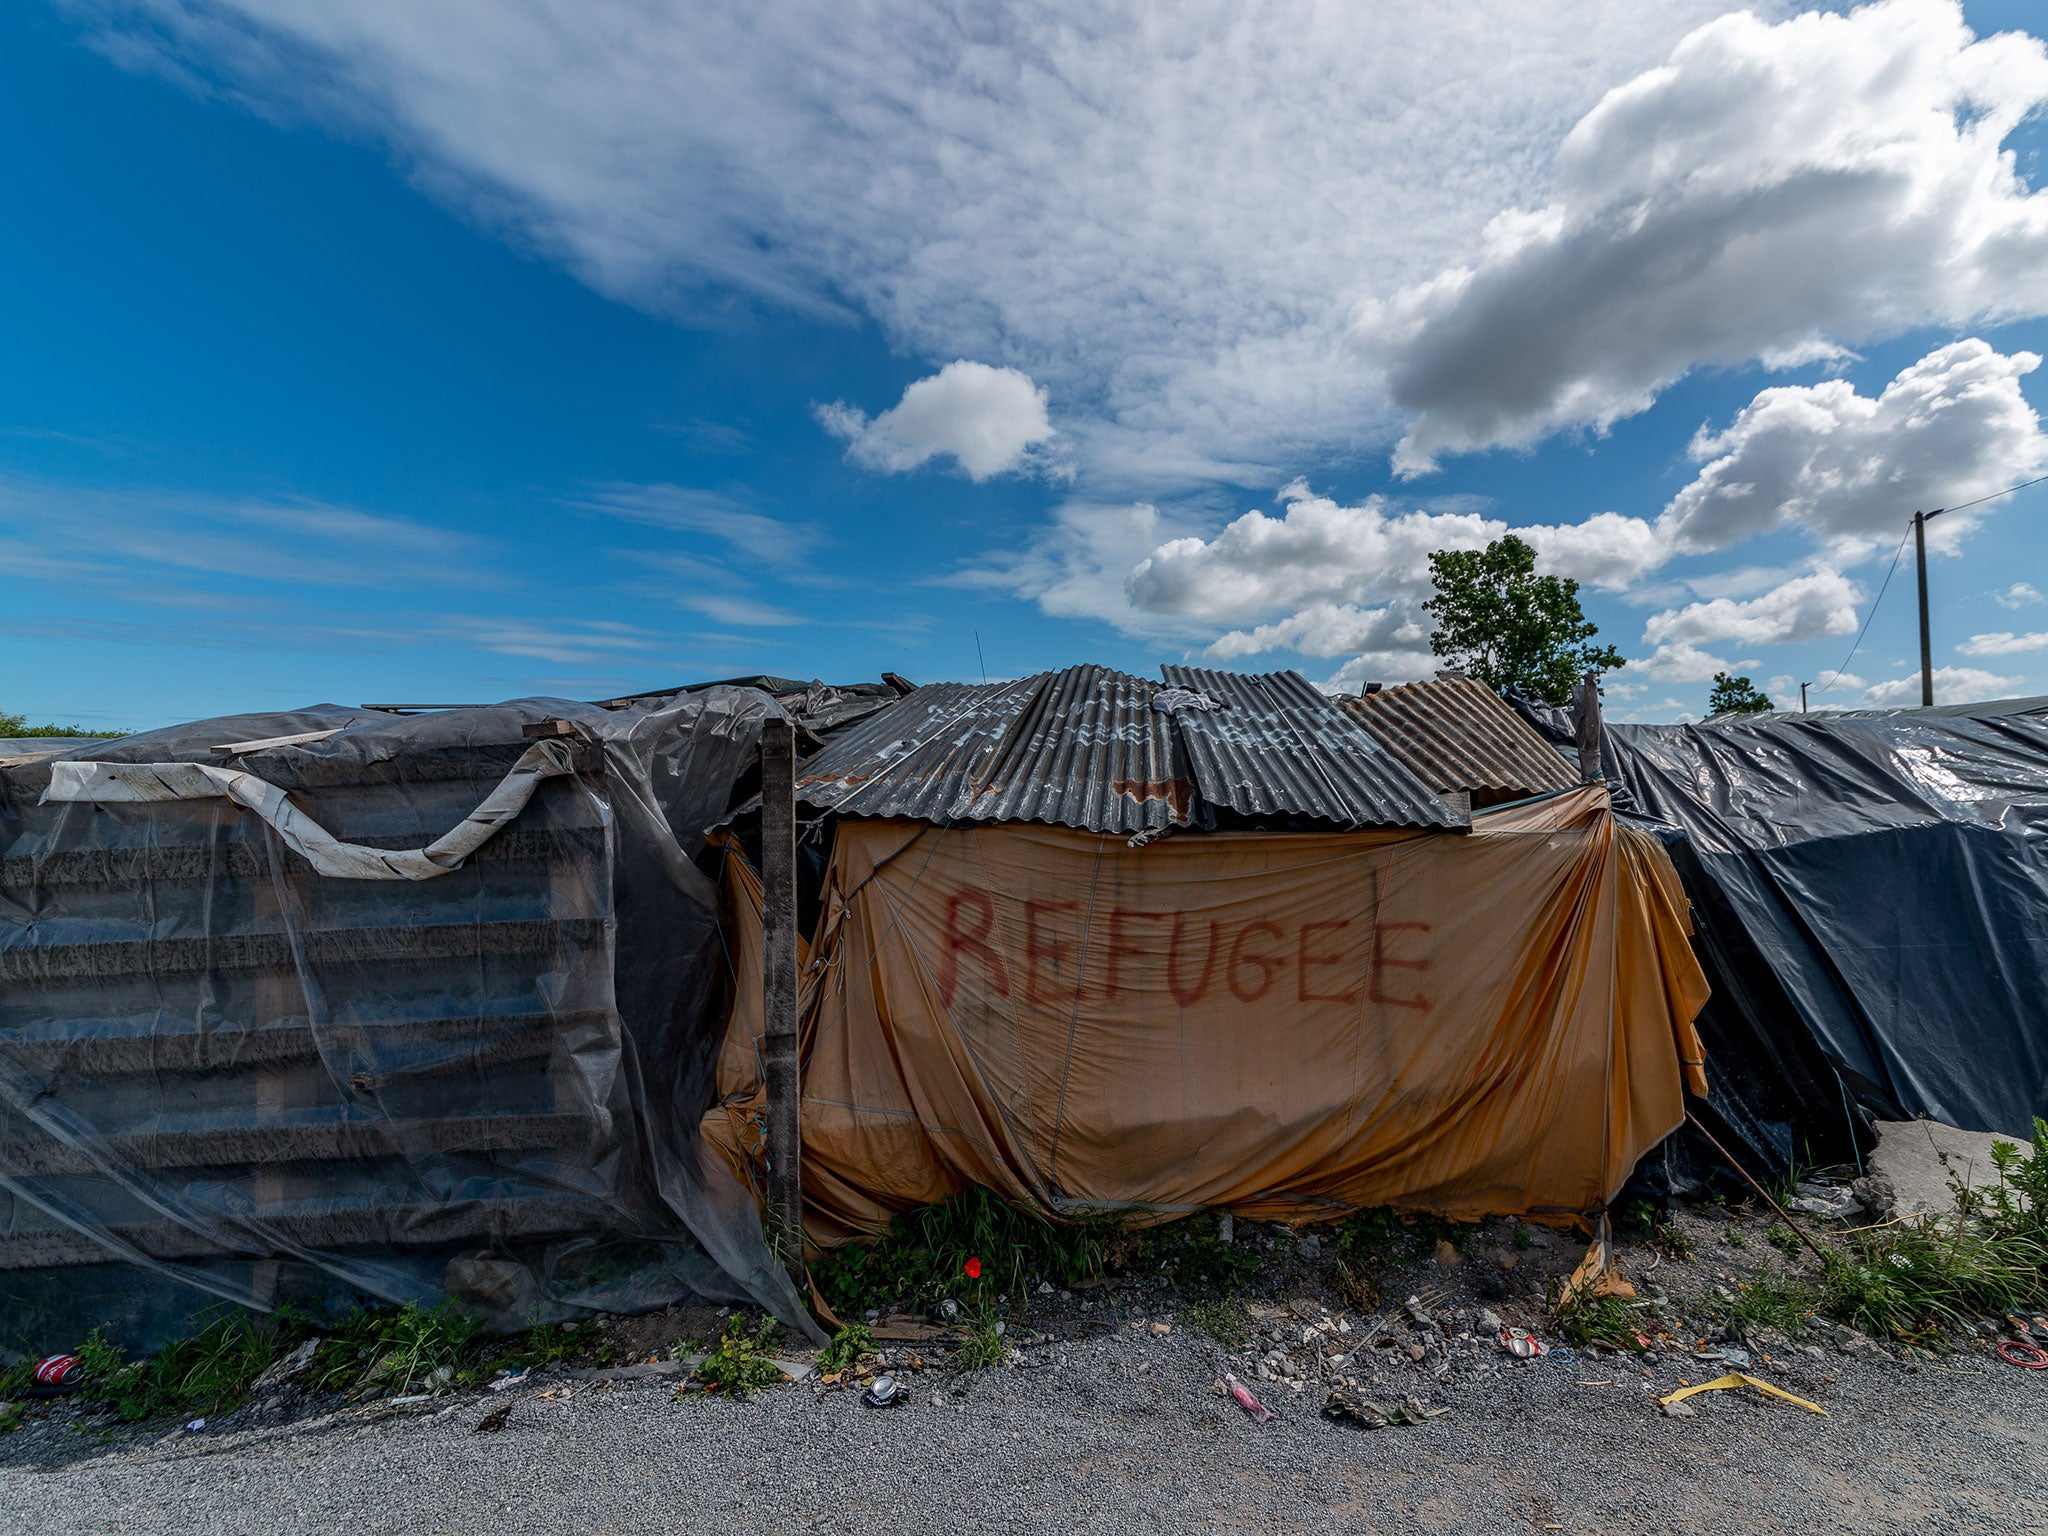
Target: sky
<point>452,352</point>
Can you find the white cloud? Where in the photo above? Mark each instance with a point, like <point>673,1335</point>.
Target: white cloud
<point>1167,220</point>
<point>987,420</point>
<point>566,644</point>
<point>1333,629</point>
<point>1849,469</point>
<point>1771,193</point>
<point>1804,608</point>
<point>1952,685</point>
<point>692,509</point>
<point>2019,595</point>
<point>1678,661</point>
<point>2004,643</point>
<point>742,612</point>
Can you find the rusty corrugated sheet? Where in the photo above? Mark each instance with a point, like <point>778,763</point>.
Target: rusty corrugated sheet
<point>1280,747</point>
<point>1085,748</point>
<point>1457,734</point>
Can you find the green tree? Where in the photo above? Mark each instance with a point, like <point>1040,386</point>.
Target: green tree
<point>1737,696</point>
<point>1510,628</point>
<point>17,725</point>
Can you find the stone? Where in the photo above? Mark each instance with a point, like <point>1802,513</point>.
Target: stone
<point>282,1370</point>
<point>1876,1197</point>
<point>1161,1329</point>
<point>1447,1255</point>
<point>1417,1353</point>
<point>1488,1323</point>
<point>1508,1260</point>
<point>1311,1247</point>
<point>1678,1410</point>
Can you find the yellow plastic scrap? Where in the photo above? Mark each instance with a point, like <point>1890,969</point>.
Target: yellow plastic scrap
<point>1737,1379</point>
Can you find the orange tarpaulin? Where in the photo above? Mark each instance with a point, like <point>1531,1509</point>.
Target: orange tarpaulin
<point>1280,1024</point>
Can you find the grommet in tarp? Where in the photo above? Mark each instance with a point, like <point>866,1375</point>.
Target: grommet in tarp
<point>883,1392</point>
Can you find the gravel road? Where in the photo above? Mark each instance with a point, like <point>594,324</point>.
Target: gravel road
<point>1127,1435</point>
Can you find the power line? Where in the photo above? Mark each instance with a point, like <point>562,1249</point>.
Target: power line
<point>1830,683</point>
<point>1959,506</point>
<point>1993,496</point>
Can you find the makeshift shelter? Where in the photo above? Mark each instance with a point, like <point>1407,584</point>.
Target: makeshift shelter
<point>1872,893</point>
<point>1098,942</point>
<point>403,1006</point>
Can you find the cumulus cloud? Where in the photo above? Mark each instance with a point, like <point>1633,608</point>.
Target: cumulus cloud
<point>1771,193</point>
<point>1680,661</point>
<point>987,420</point>
<point>1849,468</point>
<point>1952,685</point>
<point>1167,221</point>
<point>2020,594</point>
<point>2004,643</point>
<point>1804,608</point>
<point>1332,629</point>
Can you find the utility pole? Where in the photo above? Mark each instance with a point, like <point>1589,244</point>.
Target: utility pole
<point>1920,521</point>
<point>779,993</point>
<point>1802,696</point>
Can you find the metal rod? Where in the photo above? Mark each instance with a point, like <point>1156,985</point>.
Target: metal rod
<point>1783,1214</point>
<point>779,993</point>
<point>1926,645</point>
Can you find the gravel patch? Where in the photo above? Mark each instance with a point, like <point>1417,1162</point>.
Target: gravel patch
<point>1127,1434</point>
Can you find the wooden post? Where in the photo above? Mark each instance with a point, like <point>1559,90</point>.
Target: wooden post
<point>1588,722</point>
<point>779,992</point>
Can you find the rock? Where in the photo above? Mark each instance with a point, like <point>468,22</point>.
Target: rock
<point>1226,1229</point>
<point>1447,1255</point>
<point>1161,1329</point>
<point>1417,1353</point>
<point>1875,1195</point>
<point>1678,1410</point>
<point>1507,1260</point>
<point>1045,1287</point>
<point>1311,1246</point>
<point>282,1370</point>
<point>1417,1312</point>
<point>1488,1323</point>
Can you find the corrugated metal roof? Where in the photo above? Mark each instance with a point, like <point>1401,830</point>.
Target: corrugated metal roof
<point>1085,748</point>
<point>1281,747</point>
<point>1458,735</point>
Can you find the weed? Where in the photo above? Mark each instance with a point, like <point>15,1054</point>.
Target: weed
<point>1356,1287</point>
<point>1602,1320</point>
<point>846,1348</point>
<point>743,1363</point>
<point>1225,1321</point>
<point>1735,1239</point>
<point>399,1351</point>
<point>1193,1258</point>
<point>1670,1239</point>
<point>1783,1238</point>
<point>925,1255</point>
<point>206,1373</point>
<point>1523,1238</point>
<point>1769,1302</point>
<point>984,1346</point>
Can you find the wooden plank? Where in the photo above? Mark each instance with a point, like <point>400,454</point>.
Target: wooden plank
<point>779,991</point>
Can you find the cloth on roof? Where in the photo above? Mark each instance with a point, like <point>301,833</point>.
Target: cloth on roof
<point>1284,1025</point>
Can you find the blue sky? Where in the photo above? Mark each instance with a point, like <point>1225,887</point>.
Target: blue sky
<point>343,361</point>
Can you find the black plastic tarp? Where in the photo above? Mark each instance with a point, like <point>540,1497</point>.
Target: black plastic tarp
<point>1876,883</point>
<point>225,1065</point>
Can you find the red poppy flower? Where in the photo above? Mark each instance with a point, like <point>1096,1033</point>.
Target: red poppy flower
<point>973,1269</point>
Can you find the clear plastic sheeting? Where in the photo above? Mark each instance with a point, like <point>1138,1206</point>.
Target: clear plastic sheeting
<point>224,1067</point>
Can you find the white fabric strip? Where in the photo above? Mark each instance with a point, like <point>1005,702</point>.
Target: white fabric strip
<point>142,783</point>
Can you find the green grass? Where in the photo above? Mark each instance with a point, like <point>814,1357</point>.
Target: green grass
<point>390,1351</point>
<point>1225,1320</point>
<point>1784,1239</point>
